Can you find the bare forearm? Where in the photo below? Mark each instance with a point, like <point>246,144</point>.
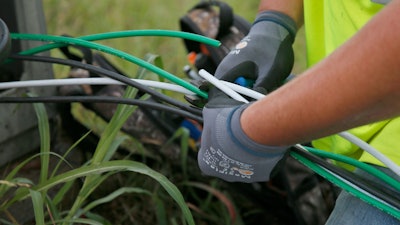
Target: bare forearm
<point>292,8</point>
<point>356,85</point>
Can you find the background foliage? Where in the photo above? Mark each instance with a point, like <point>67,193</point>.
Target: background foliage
<point>77,17</point>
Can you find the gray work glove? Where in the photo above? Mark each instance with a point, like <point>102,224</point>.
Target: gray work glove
<point>265,55</point>
<point>226,152</point>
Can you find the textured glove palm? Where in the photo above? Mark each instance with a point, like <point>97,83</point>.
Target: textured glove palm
<point>266,57</point>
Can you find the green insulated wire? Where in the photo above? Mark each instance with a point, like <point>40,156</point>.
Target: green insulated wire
<point>61,41</point>
<point>371,170</point>
<point>128,33</point>
<point>346,186</point>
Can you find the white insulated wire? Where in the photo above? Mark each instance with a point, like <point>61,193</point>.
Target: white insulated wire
<point>109,81</point>
<point>348,136</point>
<point>371,150</point>
<point>349,183</point>
<point>90,81</point>
<point>230,89</point>
<point>243,90</point>
<point>227,90</point>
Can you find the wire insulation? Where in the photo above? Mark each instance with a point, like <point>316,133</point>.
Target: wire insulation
<point>243,90</point>
<point>366,167</point>
<point>112,51</point>
<point>112,75</point>
<point>348,185</point>
<point>227,90</point>
<point>91,81</point>
<point>128,33</point>
<point>364,183</point>
<point>101,99</point>
<point>371,150</point>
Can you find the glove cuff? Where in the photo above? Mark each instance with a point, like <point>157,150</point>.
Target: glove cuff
<point>247,144</point>
<point>279,18</point>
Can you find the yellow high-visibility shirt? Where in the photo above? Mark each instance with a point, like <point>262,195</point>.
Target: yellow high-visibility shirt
<point>328,24</point>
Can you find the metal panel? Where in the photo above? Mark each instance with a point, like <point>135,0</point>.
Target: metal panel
<point>18,124</point>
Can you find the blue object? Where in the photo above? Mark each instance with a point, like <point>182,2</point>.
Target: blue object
<point>244,82</point>
<point>194,131</point>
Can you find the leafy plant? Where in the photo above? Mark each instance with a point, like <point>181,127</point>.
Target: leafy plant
<point>100,167</point>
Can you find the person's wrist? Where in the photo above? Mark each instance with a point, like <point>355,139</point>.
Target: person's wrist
<point>279,18</point>
<point>246,143</point>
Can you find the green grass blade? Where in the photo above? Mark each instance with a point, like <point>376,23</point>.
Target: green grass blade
<point>121,115</point>
<point>61,193</point>
<point>52,209</point>
<point>94,218</point>
<point>12,181</point>
<point>118,166</point>
<point>151,58</point>
<point>160,211</point>
<point>107,144</point>
<point>114,147</point>
<point>5,222</point>
<point>223,198</point>
<point>37,201</point>
<point>107,140</point>
<point>80,221</point>
<point>3,187</point>
<point>115,194</point>
<point>67,153</point>
<point>183,135</point>
<point>44,130</point>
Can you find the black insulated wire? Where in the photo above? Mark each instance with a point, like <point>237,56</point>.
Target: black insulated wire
<point>5,41</point>
<point>387,195</point>
<point>102,99</point>
<point>113,75</point>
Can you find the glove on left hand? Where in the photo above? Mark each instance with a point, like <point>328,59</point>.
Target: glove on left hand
<point>265,55</point>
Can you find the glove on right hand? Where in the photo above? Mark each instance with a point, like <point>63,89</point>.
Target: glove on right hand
<point>227,152</point>
<point>265,55</point>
